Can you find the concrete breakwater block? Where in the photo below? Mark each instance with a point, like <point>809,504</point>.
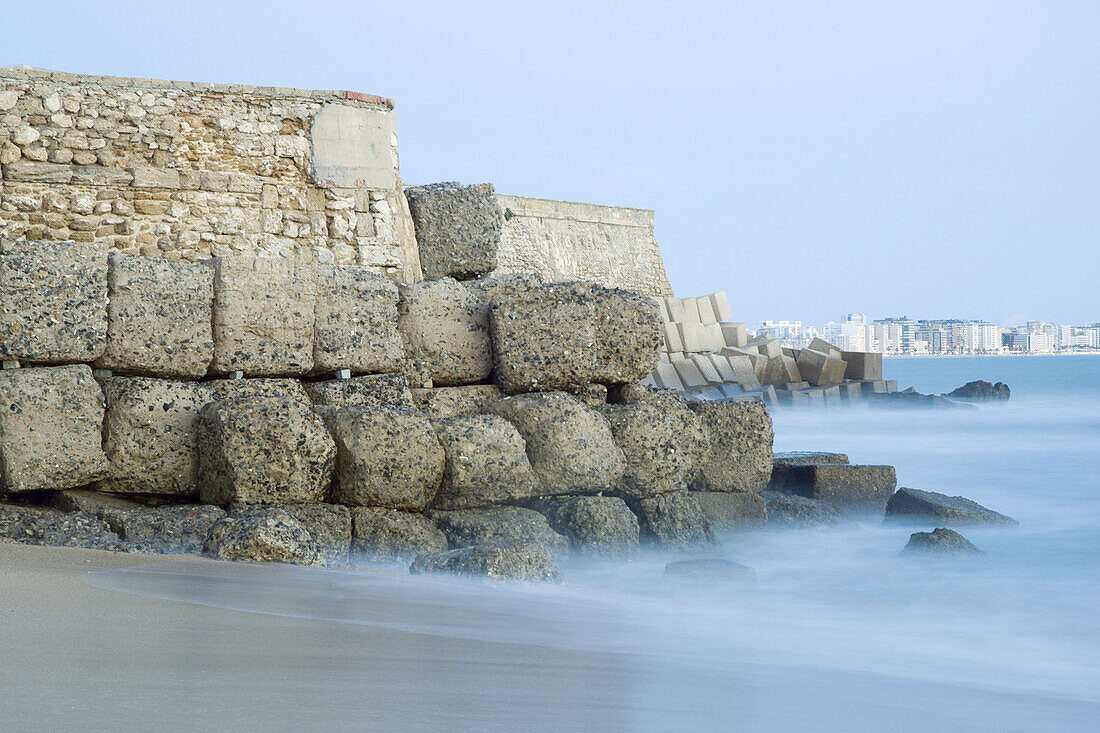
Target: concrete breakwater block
<point>808,457</point>
<point>263,450</point>
<point>468,527</point>
<point>486,463</point>
<point>328,524</point>
<point>262,534</point>
<point>458,228</point>
<point>594,525</point>
<point>674,520</point>
<point>916,505</point>
<point>372,390</point>
<point>391,534</point>
<point>51,420</point>
<point>862,365</point>
<point>356,322</point>
<point>524,561</point>
<point>173,528</point>
<point>158,317</point>
<point>450,401</point>
<point>781,370</point>
<point>740,436</point>
<point>151,435</point>
<point>570,446</point>
<point>652,441</point>
<point>820,369</point>
<point>291,389</point>
<point>53,301</point>
<point>851,488</point>
<point>790,510</point>
<point>387,457</point>
<point>446,328</point>
<point>730,510</point>
<point>692,435</point>
<point>264,313</point>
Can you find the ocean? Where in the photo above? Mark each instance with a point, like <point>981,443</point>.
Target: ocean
<point>839,632</point>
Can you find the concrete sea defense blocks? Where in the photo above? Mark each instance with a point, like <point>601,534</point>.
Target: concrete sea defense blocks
<point>446,327</point>
<point>820,369</point>
<point>53,301</point>
<point>486,463</point>
<point>862,365</point>
<point>388,534</point>
<point>740,455</point>
<point>457,228</point>
<point>594,525</point>
<point>652,441</point>
<point>450,401</point>
<point>373,390</point>
<point>497,524</point>
<point>356,322</point>
<point>851,488</point>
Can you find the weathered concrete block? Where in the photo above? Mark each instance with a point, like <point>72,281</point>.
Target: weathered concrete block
<point>503,286</point>
<point>692,433</point>
<point>674,520</point>
<point>851,391</point>
<point>740,456</point>
<point>262,534</point>
<point>744,370</point>
<point>165,529</point>
<point>720,304</point>
<point>388,457</point>
<point>874,386</point>
<point>824,347</point>
<point>808,457</point>
<point>457,229</point>
<point>851,488</point>
<point>50,423</point>
<point>721,365</point>
<point>35,525</point>
<point>524,561</point>
<point>706,368</point>
<point>768,347</point>
<point>158,317</point>
<point>735,334</point>
<point>594,525</point>
<point>444,402</point>
<point>446,327</point>
<point>729,510</point>
<point>677,313</point>
<point>570,335</point>
<point>862,365</point>
<point>356,322</point>
<point>689,373</point>
<point>328,524</point>
<point>263,450</point>
<point>389,534</point>
<point>781,370</point>
<point>486,463</point>
<point>291,389</point>
<point>789,510</point>
<point>759,361</point>
<point>570,446</point>
<point>820,369</point>
<point>264,313</point>
<point>373,390</point>
<point>706,310</point>
<point>53,301</point>
<point>653,443</point>
<point>151,435</point>
<point>672,338</point>
<point>468,527</point>
<point>700,337</point>
<point>667,378</point>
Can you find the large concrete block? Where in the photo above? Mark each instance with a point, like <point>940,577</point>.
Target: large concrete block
<point>262,534</point>
<point>720,304</point>
<point>457,229</point>
<point>571,447</point>
<point>735,334</point>
<point>820,369</point>
<point>707,313</point>
<point>387,457</point>
<point>740,455</point>
<point>851,391</point>
<point>851,488</point>
<point>758,361</point>
<point>666,377</point>
<point>356,322</point>
<point>707,369</point>
<point>468,527</point>
<point>50,424</point>
<point>654,446</point>
<point>721,365</point>
<point>862,365</point>
<point>744,373</point>
<point>389,534</point>
<point>53,301</point>
<point>225,389</point>
<point>768,347</point>
<point>672,338</point>
<point>446,328</point>
<point>567,336</point>
<point>328,524</point>
<point>594,525</point>
<point>444,402</point>
<point>151,435</point>
<point>823,346</point>
<point>263,450</point>
<point>689,373</point>
<point>693,439</point>
<point>729,510</point>
<point>677,313</point>
<point>263,316</point>
<point>158,317</point>
<point>486,463</point>
<point>781,370</point>
<point>674,520</point>
<point>373,390</point>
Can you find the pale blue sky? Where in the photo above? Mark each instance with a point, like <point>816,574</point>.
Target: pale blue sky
<point>925,158</point>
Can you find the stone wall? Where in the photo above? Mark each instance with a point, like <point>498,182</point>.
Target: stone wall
<point>563,241</point>
<point>186,171</point>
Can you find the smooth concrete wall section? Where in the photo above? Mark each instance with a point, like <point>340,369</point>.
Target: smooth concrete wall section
<point>564,241</point>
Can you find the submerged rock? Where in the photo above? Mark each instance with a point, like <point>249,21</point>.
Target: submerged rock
<point>262,534</point>
<point>709,570</point>
<point>727,510</point>
<point>523,560</point>
<point>675,520</point>
<point>980,390</point>
<point>910,398</point>
<point>941,541</point>
<point>917,504</point>
<point>788,510</point>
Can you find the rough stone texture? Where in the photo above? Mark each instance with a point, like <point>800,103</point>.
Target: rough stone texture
<point>158,317</point>
<point>151,435</point>
<point>780,370</point>
<point>592,395</point>
<point>176,528</point>
<point>263,450</point>
<point>40,526</point>
<point>375,390</point>
<point>807,456</point>
<point>674,520</point>
<point>941,541</point>
<point>53,301</point>
<point>503,286</point>
<point>820,369</point>
<point>446,328</point>
<point>328,524</point>
<point>709,571</point>
<point>740,436</point>
<point>263,316</point>
<point>728,510</point>
<point>519,560</point>
<point>444,402</point>
<point>787,510</point>
<point>694,440</point>
<point>978,390</point>
<point>594,525</point>
<point>262,534</point>
<point>568,336</point>
<point>50,423</point>
<point>862,365</point>
<point>225,389</point>
<point>387,457</point>
<point>387,534</point>
<point>486,463</point>
<point>570,446</point>
<point>84,500</point>
<point>915,504</point>
<point>564,241</point>
<point>356,322</point>
<point>851,488</point>
<point>457,229</point>
<point>468,527</point>
<point>652,442</point>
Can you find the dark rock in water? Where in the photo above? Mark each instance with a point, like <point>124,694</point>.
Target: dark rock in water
<point>913,399</point>
<point>808,457</point>
<point>850,488</point>
<point>523,560</point>
<point>386,534</point>
<point>34,525</point>
<point>788,510</point>
<point>728,510</point>
<point>262,534</point>
<point>164,529</point>
<point>467,527</point>
<point>709,570</point>
<point>674,520</point>
<point>918,504</point>
<point>594,525</point>
<point>980,390</point>
<point>941,541</point>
